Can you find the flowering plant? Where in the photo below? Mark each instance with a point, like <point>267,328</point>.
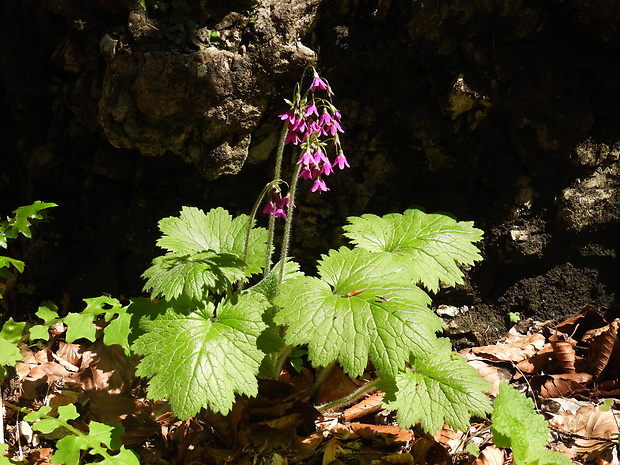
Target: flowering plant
<point>225,314</point>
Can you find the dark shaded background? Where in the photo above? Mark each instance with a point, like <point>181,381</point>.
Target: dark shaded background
<point>503,113</point>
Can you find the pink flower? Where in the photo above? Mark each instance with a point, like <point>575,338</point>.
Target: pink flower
<point>332,128</point>
<point>270,208</point>
<point>318,83</point>
<point>319,157</point>
<point>277,205</point>
<point>327,168</point>
<point>306,159</point>
<point>306,173</point>
<point>292,138</point>
<point>289,115</point>
<point>313,128</point>
<point>341,161</point>
<point>298,125</point>
<point>281,204</point>
<point>319,185</point>
<point>326,118</point>
<point>312,110</point>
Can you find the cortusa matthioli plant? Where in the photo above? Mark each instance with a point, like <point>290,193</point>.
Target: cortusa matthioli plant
<point>225,313</point>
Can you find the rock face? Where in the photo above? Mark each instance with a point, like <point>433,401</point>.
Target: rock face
<point>505,114</point>
<point>202,105</point>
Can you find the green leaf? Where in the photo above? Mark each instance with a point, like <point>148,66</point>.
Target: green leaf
<point>12,330</point>
<point>360,309</point>
<point>268,286</point>
<point>10,336</point>
<point>118,331</point>
<point>9,354</point>
<point>80,325</point>
<point>194,275</point>
<point>25,215</point>
<point>203,358</point>
<point>427,247</point>
<point>124,457</point>
<point>439,387</point>
<point>518,426</point>
<point>4,447</point>
<point>606,406</point>
<point>46,423</point>
<point>194,231</point>
<point>473,449</point>
<point>551,457</point>
<point>68,450</point>
<point>48,313</point>
<point>101,439</point>
<point>101,433</point>
<point>5,262</point>
<point>205,253</point>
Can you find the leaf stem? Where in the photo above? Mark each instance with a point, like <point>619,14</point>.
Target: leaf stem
<point>320,379</point>
<point>1,418</point>
<point>246,245</point>
<point>280,359</point>
<point>286,238</point>
<point>276,177</point>
<point>349,398</point>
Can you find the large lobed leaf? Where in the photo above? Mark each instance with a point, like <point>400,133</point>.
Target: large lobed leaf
<point>194,275</point>
<point>361,309</point>
<point>440,387</point>
<point>205,253</point>
<point>201,359</point>
<point>428,247</point>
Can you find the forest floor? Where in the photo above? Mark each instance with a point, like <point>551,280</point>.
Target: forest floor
<point>567,368</point>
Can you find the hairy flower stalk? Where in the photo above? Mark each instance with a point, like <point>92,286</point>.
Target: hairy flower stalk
<point>313,124</point>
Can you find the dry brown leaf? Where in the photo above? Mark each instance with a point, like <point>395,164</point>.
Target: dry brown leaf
<point>601,348</point>
<point>563,351</point>
<point>491,455</point>
<point>509,352</point>
<point>491,373</point>
<point>105,368</point>
<point>384,433</point>
<point>306,446</point>
<point>331,451</point>
<point>542,361</point>
<point>369,405</point>
<point>70,353</point>
<point>592,429</point>
<point>577,326</point>
<point>564,385</point>
<point>336,386</point>
<point>435,455</point>
<point>450,439</point>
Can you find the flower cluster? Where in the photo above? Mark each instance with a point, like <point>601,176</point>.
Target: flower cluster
<point>313,124</point>
<point>312,132</point>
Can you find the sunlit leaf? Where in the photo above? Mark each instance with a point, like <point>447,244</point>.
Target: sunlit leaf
<point>201,359</point>
<point>205,253</point>
<point>440,387</point>
<point>428,247</point>
<point>359,309</point>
